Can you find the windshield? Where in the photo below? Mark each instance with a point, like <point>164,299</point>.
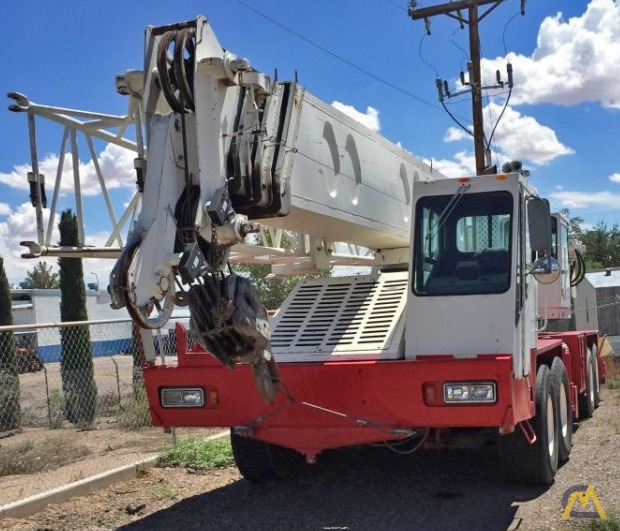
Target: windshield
<point>469,251</point>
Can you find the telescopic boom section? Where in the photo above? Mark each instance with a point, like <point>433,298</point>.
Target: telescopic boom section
<point>227,146</point>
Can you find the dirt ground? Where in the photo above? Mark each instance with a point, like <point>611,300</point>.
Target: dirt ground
<point>356,489</point>
<point>52,458</point>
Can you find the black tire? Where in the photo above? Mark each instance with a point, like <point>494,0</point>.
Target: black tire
<point>260,462</point>
<point>535,464</point>
<point>565,416</point>
<point>587,401</point>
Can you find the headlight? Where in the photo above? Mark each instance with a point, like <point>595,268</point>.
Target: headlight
<point>469,392</point>
<point>182,397</point>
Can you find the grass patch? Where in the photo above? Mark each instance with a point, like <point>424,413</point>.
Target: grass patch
<point>611,524</point>
<point>30,458</point>
<point>108,404</point>
<point>613,373</point>
<point>56,405</point>
<point>198,454</point>
<point>135,413</point>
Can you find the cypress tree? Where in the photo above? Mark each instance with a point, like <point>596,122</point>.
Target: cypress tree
<point>76,362</point>
<point>9,376</point>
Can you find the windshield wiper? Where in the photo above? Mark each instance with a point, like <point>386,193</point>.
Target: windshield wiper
<point>448,209</point>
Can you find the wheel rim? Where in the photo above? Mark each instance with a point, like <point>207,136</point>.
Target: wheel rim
<point>597,383</point>
<point>563,410</point>
<point>550,425</point>
<point>591,380</point>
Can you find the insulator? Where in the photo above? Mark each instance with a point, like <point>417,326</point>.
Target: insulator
<point>439,88</point>
<point>446,88</point>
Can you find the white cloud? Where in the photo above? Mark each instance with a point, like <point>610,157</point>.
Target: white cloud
<point>454,134</point>
<point>116,165</point>
<point>19,226</point>
<point>575,60</point>
<point>521,137</point>
<point>577,200</point>
<point>615,178</point>
<point>463,163</point>
<point>517,136</point>
<point>5,209</point>
<point>370,119</point>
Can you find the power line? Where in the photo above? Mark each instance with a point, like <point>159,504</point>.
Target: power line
<point>338,57</point>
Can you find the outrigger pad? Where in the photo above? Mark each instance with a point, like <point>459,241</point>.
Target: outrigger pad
<point>229,321</point>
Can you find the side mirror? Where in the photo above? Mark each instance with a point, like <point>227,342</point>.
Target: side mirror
<point>546,270</point>
<point>539,220</point>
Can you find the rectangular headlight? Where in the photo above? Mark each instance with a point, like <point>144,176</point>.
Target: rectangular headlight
<point>469,392</point>
<point>182,397</point>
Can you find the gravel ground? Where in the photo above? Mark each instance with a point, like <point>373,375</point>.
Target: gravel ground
<point>366,489</point>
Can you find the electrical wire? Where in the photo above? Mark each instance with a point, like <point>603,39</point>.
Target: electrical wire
<point>501,114</point>
<point>396,5</point>
<point>424,35</point>
<point>338,57</point>
<point>505,28</point>
<point>465,54</point>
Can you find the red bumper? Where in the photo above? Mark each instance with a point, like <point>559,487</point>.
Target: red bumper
<point>330,405</point>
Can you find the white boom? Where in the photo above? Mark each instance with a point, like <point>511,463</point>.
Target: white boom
<point>226,147</point>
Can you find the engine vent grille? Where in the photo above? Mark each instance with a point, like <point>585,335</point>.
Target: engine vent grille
<point>341,315</point>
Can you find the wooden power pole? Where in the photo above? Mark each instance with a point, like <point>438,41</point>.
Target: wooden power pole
<point>454,10</point>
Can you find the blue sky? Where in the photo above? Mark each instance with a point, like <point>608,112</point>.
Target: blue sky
<point>563,118</point>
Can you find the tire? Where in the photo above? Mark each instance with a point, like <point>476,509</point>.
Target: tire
<point>597,381</point>
<point>535,464</point>
<point>587,401</point>
<point>565,417</point>
<point>261,462</point>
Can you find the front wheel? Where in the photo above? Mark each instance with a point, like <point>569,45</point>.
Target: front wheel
<point>535,464</point>
<point>260,462</point>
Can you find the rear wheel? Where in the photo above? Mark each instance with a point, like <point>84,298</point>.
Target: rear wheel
<point>587,400</point>
<point>535,464</point>
<point>565,417</point>
<point>260,462</point>
<point>597,382</point>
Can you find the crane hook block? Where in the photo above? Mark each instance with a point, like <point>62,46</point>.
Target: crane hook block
<point>229,321</point>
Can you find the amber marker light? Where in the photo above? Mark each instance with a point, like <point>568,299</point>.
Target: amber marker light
<point>431,396</point>
<point>213,398</point>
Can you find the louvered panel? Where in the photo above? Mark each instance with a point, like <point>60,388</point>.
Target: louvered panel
<point>358,317</point>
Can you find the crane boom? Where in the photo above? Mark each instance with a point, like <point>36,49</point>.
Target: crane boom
<point>227,147</point>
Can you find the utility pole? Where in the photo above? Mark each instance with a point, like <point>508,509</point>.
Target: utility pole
<point>454,10</point>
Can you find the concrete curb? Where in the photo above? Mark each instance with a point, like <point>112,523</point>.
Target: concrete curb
<point>33,504</point>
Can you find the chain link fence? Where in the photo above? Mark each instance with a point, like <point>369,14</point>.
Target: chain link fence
<point>73,404</point>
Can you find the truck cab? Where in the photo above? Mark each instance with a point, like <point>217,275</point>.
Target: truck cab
<point>470,259</point>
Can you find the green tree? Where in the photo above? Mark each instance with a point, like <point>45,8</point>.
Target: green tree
<point>575,224</point>
<point>602,242</point>
<point>602,246</point>
<point>273,291</point>
<point>76,362</point>
<point>9,377</point>
<point>42,276</point>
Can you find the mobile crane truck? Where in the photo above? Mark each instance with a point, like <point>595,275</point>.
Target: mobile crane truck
<point>440,345</point>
